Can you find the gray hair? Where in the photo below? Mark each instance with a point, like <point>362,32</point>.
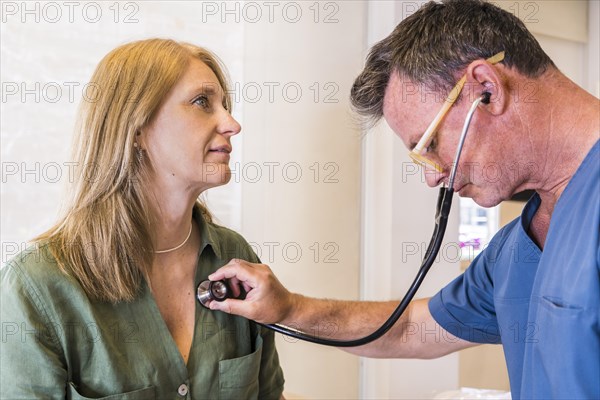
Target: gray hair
<point>433,45</point>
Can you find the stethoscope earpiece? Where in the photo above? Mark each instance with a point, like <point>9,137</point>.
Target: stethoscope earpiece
<point>486,97</point>
<point>212,290</point>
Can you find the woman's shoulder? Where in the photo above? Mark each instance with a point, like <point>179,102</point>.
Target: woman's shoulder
<point>34,269</point>
<point>36,259</point>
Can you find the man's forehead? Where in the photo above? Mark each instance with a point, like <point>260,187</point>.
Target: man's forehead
<point>406,108</point>
<point>391,101</point>
<point>391,92</point>
<point>403,91</point>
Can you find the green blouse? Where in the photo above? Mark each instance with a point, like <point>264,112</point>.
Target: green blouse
<point>57,343</point>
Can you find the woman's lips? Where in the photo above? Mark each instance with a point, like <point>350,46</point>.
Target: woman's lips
<point>221,149</point>
<point>221,153</point>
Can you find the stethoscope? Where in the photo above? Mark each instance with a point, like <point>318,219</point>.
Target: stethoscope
<point>219,290</point>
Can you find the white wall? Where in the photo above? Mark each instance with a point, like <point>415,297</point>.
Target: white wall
<point>593,48</point>
<point>320,213</point>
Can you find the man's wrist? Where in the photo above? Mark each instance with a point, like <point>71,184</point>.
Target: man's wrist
<point>294,309</point>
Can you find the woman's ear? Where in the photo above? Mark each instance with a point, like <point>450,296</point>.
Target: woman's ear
<point>140,137</point>
<point>482,77</point>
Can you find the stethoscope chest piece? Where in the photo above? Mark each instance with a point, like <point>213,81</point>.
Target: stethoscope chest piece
<point>212,290</point>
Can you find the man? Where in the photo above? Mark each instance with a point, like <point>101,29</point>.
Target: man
<point>536,287</point>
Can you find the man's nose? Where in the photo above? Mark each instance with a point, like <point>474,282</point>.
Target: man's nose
<point>435,178</point>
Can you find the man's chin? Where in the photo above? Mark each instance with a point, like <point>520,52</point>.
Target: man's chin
<point>485,201</point>
<point>482,199</point>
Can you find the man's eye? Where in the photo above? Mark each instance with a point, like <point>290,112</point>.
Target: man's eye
<point>202,101</point>
<point>432,146</point>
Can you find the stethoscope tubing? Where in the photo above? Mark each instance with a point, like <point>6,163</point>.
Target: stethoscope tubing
<point>444,204</point>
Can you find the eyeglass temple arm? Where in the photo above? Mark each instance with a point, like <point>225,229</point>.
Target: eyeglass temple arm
<point>447,104</point>
<point>452,96</point>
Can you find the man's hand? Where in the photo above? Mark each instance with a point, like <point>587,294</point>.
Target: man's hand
<point>267,301</point>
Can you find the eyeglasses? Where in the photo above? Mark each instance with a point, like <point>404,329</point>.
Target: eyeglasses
<point>416,153</point>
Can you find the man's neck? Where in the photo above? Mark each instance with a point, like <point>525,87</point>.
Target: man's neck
<point>572,127</point>
<point>558,130</point>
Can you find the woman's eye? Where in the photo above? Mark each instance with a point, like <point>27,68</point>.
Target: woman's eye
<point>202,101</point>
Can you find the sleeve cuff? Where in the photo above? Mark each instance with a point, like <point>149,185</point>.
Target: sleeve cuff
<point>446,320</point>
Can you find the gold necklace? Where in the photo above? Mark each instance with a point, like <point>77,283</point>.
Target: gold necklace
<point>177,247</point>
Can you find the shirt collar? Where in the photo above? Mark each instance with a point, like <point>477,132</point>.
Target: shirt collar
<point>208,236</point>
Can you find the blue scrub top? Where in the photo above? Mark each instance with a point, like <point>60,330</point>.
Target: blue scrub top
<point>543,306</point>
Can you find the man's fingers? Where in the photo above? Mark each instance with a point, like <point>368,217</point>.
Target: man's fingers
<point>241,272</point>
<point>247,287</point>
<point>234,284</point>
<point>262,289</point>
<point>231,306</point>
<point>241,262</point>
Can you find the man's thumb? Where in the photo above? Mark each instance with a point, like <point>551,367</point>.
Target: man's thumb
<point>229,306</point>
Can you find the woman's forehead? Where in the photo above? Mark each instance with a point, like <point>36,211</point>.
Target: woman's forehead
<point>199,76</point>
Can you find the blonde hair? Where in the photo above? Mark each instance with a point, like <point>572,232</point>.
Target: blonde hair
<point>104,239</point>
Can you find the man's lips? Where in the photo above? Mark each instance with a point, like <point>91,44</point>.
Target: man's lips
<point>457,188</point>
<point>461,188</point>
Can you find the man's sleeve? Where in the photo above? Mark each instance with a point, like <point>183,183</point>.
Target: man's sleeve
<point>465,307</point>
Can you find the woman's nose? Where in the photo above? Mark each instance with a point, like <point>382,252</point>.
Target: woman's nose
<point>228,126</point>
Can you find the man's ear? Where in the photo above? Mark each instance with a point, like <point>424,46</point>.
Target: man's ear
<point>482,77</point>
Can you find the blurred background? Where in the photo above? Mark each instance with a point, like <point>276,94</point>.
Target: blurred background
<point>335,211</point>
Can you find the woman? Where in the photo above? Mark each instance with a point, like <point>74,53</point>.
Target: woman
<point>104,306</point>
